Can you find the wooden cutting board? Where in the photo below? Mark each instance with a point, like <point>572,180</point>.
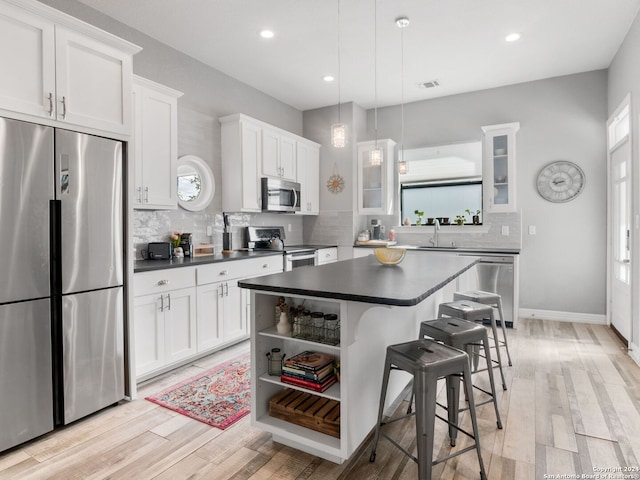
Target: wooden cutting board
<point>378,243</point>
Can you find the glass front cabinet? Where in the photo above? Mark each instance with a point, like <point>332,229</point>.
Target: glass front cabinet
<point>499,167</point>
<point>376,177</point>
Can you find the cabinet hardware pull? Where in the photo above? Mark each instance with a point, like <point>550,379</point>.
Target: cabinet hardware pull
<point>139,194</point>
<point>224,272</point>
<point>265,265</point>
<point>162,303</point>
<point>226,288</point>
<point>146,194</point>
<point>221,290</point>
<point>50,97</point>
<point>168,301</point>
<point>164,282</point>
<point>64,107</point>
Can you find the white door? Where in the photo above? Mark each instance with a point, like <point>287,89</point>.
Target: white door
<point>620,221</point>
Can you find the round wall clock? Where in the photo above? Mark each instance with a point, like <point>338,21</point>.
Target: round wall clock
<point>560,181</point>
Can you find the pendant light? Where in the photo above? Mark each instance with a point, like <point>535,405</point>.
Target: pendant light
<point>339,130</point>
<point>402,23</point>
<point>375,156</point>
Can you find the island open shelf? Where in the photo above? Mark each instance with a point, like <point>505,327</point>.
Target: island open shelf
<point>377,306</point>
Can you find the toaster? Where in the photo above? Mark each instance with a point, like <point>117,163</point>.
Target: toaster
<point>159,250</point>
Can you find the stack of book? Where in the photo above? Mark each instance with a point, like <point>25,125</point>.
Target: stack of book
<point>311,370</point>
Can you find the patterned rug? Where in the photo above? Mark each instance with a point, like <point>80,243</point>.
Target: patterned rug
<point>218,397</point>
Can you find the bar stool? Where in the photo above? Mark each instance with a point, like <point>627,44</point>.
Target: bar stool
<point>475,312</point>
<point>467,336</point>
<point>488,298</point>
<point>428,361</point>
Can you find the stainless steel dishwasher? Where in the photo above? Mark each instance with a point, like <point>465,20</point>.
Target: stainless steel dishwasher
<point>497,274</point>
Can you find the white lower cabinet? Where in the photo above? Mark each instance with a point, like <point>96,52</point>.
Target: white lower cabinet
<point>222,314</point>
<point>326,255</point>
<point>165,329</point>
<point>182,313</point>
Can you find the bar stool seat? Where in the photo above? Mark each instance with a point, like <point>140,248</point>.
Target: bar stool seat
<point>493,299</point>
<point>475,312</point>
<point>428,361</point>
<point>464,335</point>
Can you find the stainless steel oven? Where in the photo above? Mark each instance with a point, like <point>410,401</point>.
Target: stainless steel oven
<point>299,258</point>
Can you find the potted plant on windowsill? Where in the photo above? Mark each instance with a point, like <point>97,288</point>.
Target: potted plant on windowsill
<point>475,216</point>
<point>460,219</point>
<point>420,214</point>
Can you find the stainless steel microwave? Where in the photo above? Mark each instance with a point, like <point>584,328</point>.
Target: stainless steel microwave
<point>280,195</point>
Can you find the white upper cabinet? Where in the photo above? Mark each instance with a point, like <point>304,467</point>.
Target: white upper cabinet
<point>63,71</point>
<point>308,176</point>
<point>499,167</point>
<point>28,81</point>
<point>376,178</point>
<point>252,149</point>
<point>278,155</point>
<point>241,158</point>
<point>155,145</point>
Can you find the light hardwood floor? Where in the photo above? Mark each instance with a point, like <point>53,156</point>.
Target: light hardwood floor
<point>573,404</point>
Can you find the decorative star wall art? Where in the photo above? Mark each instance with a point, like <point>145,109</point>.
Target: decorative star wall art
<point>335,184</point>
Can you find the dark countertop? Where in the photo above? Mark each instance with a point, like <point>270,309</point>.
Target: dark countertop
<point>150,265</point>
<point>366,280</point>
<point>480,250</point>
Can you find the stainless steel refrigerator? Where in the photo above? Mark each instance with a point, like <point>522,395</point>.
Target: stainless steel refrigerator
<point>61,286</point>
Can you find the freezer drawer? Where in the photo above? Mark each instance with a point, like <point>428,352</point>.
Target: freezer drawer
<point>26,398</point>
<point>93,351</point>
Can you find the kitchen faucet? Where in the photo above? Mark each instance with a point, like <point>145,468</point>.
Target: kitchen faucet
<point>436,226</point>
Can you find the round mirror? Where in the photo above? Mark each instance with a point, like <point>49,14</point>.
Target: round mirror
<point>196,184</point>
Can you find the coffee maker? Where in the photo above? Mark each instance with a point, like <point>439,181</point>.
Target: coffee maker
<point>186,242</point>
<point>376,229</point>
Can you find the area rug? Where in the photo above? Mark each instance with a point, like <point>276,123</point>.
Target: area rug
<point>218,397</point>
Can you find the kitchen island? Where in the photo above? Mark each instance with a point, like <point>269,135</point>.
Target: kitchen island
<point>377,306</point>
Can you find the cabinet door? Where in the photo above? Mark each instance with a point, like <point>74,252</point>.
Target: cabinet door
<point>498,162</point>
<point>158,149</point>
<point>149,333</point>
<point>135,147</point>
<point>93,83</point>
<point>270,153</point>
<point>208,322</point>
<point>251,154</point>
<point>180,324</point>
<point>27,56</point>
<point>287,158</point>
<point>376,178</point>
<point>234,312</point>
<point>308,175</point>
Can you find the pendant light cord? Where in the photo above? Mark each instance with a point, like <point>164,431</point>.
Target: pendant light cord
<point>339,63</point>
<point>402,92</point>
<point>375,68</point>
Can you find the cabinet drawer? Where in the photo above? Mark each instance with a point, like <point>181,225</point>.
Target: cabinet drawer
<point>163,280</point>
<point>264,266</point>
<point>218,272</point>
<point>326,255</point>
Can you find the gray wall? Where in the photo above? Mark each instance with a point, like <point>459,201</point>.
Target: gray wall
<point>208,95</point>
<point>624,78</point>
<point>562,268</point>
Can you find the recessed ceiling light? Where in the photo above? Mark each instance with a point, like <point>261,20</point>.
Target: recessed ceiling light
<point>512,37</point>
<point>267,33</point>
<point>328,78</point>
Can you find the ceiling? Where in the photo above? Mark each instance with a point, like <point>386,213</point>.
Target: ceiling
<point>460,43</point>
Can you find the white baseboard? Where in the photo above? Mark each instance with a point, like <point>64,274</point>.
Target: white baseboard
<point>634,352</point>
<point>563,316</point>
